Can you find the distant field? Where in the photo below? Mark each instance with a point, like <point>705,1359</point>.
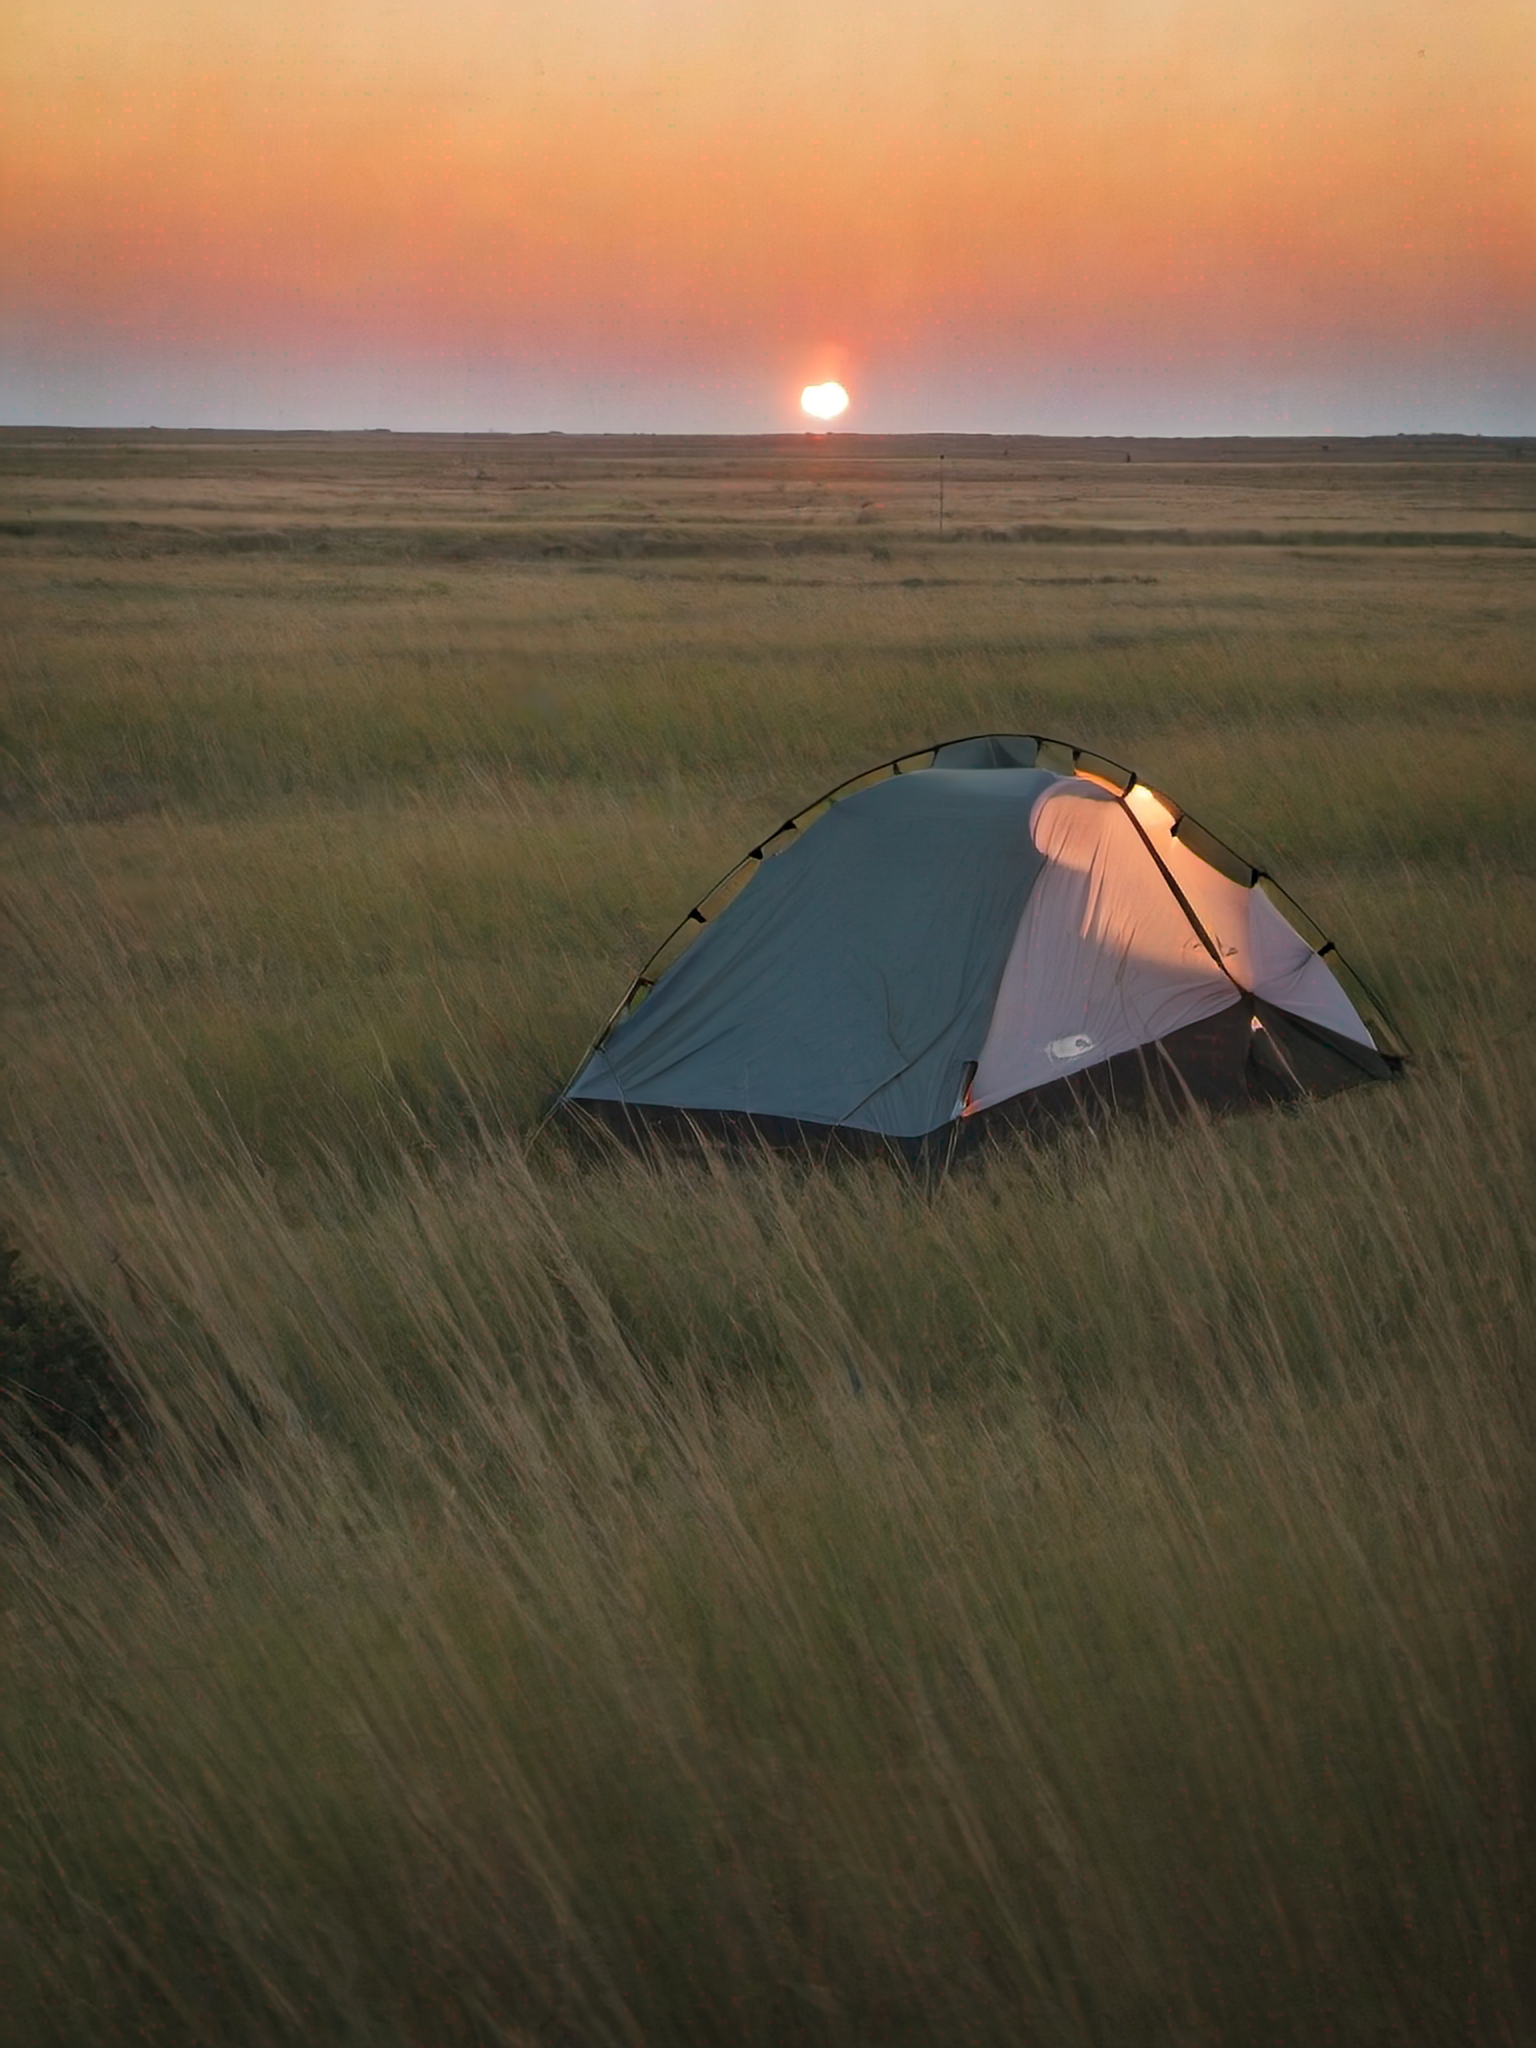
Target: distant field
<point>1084,1604</point>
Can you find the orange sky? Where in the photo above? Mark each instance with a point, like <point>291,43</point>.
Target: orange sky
<point>1102,214</point>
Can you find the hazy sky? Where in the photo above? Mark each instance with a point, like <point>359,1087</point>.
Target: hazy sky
<point>1063,215</point>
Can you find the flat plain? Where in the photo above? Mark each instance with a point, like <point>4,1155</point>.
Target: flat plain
<point>1086,1601</point>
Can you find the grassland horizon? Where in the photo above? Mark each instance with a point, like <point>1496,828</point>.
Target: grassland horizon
<point>1084,1602</point>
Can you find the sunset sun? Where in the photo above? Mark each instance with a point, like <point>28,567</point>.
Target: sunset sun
<point>824,401</point>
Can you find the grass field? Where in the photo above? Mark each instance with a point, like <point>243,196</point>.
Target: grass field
<point>1087,1602</point>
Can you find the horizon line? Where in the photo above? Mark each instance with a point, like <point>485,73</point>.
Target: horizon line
<point>1319,435</point>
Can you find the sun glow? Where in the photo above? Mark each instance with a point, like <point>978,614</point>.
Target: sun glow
<point>824,401</point>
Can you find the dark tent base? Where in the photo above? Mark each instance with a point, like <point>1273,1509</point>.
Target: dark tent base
<point>1222,1063</point>
<point>1245,1057</point>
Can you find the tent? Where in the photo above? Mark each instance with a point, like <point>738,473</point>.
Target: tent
<point>1000,931</point>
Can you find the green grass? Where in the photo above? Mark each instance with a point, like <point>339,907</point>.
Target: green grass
<point>1084,1602</point>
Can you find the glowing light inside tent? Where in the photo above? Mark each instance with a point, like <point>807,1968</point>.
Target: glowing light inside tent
<point>1150,807</point>
<point>824,401</point>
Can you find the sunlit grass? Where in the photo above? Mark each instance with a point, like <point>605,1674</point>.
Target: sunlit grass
<point>1084,1601</point>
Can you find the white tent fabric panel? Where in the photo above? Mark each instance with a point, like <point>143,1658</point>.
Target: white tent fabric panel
<point>1105,958</point>
<point>1259,949</point>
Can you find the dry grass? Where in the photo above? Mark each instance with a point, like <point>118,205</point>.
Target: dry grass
<point>1086,1603</point>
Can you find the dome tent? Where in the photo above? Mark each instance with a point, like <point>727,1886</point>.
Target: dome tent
<point>999,931</point>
